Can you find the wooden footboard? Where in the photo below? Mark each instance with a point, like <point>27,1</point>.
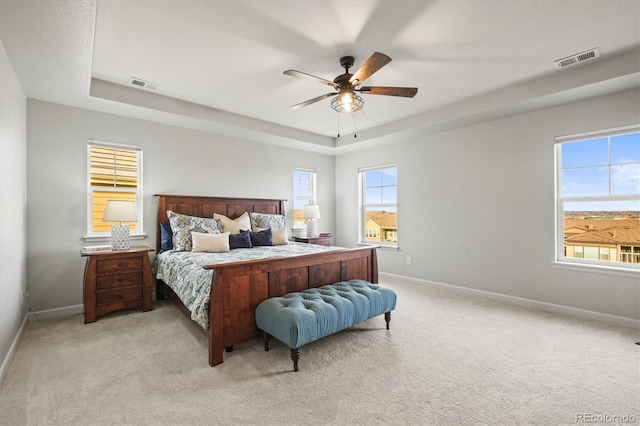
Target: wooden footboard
<point>240,287</point>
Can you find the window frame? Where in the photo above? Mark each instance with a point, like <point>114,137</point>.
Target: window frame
<point>136,232</point>
<point>585,263</point>
<point>362,206</point>
<point>311,200</point>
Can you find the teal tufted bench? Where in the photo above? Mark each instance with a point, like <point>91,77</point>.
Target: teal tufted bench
<point>303,317</point>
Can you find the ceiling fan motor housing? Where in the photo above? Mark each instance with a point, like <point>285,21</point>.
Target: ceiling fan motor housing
<point>347,62</point>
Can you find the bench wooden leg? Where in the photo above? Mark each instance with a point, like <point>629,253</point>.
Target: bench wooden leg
<point>265,338</point>
<point>387,318</point>
<point>295,356</point>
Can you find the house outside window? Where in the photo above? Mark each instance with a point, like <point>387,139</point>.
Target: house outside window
<point>379,205</point>
<point>114,173</point>
<point>598,198</point>
<point>304,194</point>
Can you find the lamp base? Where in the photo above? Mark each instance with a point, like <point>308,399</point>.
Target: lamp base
<point>312,228</point>
<point>120,237</point>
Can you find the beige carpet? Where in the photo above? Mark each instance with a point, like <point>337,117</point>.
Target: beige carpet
<point>448,359</point>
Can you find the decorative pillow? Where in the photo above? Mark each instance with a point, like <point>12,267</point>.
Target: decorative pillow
<point>241,240</point>
<point>263,220</point>
<point>261,238</point>
<point>182,226</point>
<point>210,243</point>
<point>233,226</point>
<point>165,237</point>
<point>278,236</point>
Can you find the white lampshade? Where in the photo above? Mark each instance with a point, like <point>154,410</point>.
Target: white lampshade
<point>311,212</point>
<point>120,211</point>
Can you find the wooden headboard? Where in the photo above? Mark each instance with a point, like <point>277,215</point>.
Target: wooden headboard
<point>201,206</point>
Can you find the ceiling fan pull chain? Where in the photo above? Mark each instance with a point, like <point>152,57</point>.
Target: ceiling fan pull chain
<point>355,125</point>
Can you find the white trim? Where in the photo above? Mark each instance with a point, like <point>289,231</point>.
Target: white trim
<point>531,304</point>
<point>598,269</point>
<point>107,238</point>
<point>48,314</point>
<point>595,133</point>
<point>12,350</point>
<point>65,311</point>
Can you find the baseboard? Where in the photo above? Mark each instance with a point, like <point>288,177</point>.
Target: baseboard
<point>12,350</point>
<point>48,314</point>
<point>528,303</point>
<point>65,311</point>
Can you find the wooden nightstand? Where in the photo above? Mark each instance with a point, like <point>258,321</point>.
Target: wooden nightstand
<point>323,241</point>
<point>115,280</point>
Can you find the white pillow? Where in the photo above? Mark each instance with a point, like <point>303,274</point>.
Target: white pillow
<point>210,243</point>
<point>278,236</point>
<point>234,226</point>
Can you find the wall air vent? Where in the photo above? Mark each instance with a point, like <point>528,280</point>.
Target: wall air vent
<point>577,58</point>
<point>138,82</point>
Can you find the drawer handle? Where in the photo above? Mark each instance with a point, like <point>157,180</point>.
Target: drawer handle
<point>120,296</point>
<point>120,264</point>
<point>119,280</point>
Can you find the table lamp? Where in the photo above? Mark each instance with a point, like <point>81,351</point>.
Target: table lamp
<point>311,213</point>
<point>120,211</point>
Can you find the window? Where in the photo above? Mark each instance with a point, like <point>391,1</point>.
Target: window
<point>114,173</point>
<point>598,198</point>
<point>304,194</point>
<point>379,205</point>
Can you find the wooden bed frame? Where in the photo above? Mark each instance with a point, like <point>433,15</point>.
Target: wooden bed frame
<point>239,287</point>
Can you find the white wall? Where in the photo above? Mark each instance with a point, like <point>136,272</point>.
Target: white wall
<point>176,161</point>
<point>476,206</point>
<point>13,199</point>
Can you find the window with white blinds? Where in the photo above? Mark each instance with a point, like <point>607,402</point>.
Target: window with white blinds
<point>114,173</point>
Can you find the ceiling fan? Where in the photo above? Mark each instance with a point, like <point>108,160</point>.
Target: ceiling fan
<point>346,85</point>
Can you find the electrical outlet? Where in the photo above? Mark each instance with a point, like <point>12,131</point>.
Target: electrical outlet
<point>409,260</point>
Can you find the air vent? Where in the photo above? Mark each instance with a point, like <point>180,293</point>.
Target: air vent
<point>576,59</point>
<point>138,82</point>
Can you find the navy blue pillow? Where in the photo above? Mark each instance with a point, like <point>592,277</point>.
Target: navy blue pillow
<point>262,238</point>
<point>241,240</point>
<point>166,237</point>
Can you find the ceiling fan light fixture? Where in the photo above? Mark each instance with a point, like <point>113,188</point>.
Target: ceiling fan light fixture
<point>347,101</point>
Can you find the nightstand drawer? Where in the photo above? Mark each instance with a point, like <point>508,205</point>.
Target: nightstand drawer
<point>124,295</point>
<point>119,280</point>
<point>113,265</point>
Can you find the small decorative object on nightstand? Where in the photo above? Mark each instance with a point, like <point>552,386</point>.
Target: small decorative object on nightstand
<point>323,239</point>
<point>115,280</point>
<point>311,213</point>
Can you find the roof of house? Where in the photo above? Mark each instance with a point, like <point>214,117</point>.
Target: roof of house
<point>602,231</point>
<point>383,219</point>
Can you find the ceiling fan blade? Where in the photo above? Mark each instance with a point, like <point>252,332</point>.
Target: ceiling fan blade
<point>371,65</point>
<point>405,92</point>
<point>294,73</point>
<point>312,101</point>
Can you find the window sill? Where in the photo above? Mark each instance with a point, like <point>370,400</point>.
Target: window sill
<point>380,246</point>
<point>597,269</point>
<point>107,238</point>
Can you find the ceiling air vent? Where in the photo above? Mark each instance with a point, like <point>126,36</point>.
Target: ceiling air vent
<point>577,58</point>
<point>138,82</point>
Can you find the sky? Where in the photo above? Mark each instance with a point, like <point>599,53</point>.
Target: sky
<point>608,167</point>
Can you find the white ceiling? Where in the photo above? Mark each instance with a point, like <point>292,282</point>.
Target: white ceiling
<point>220,63</point>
